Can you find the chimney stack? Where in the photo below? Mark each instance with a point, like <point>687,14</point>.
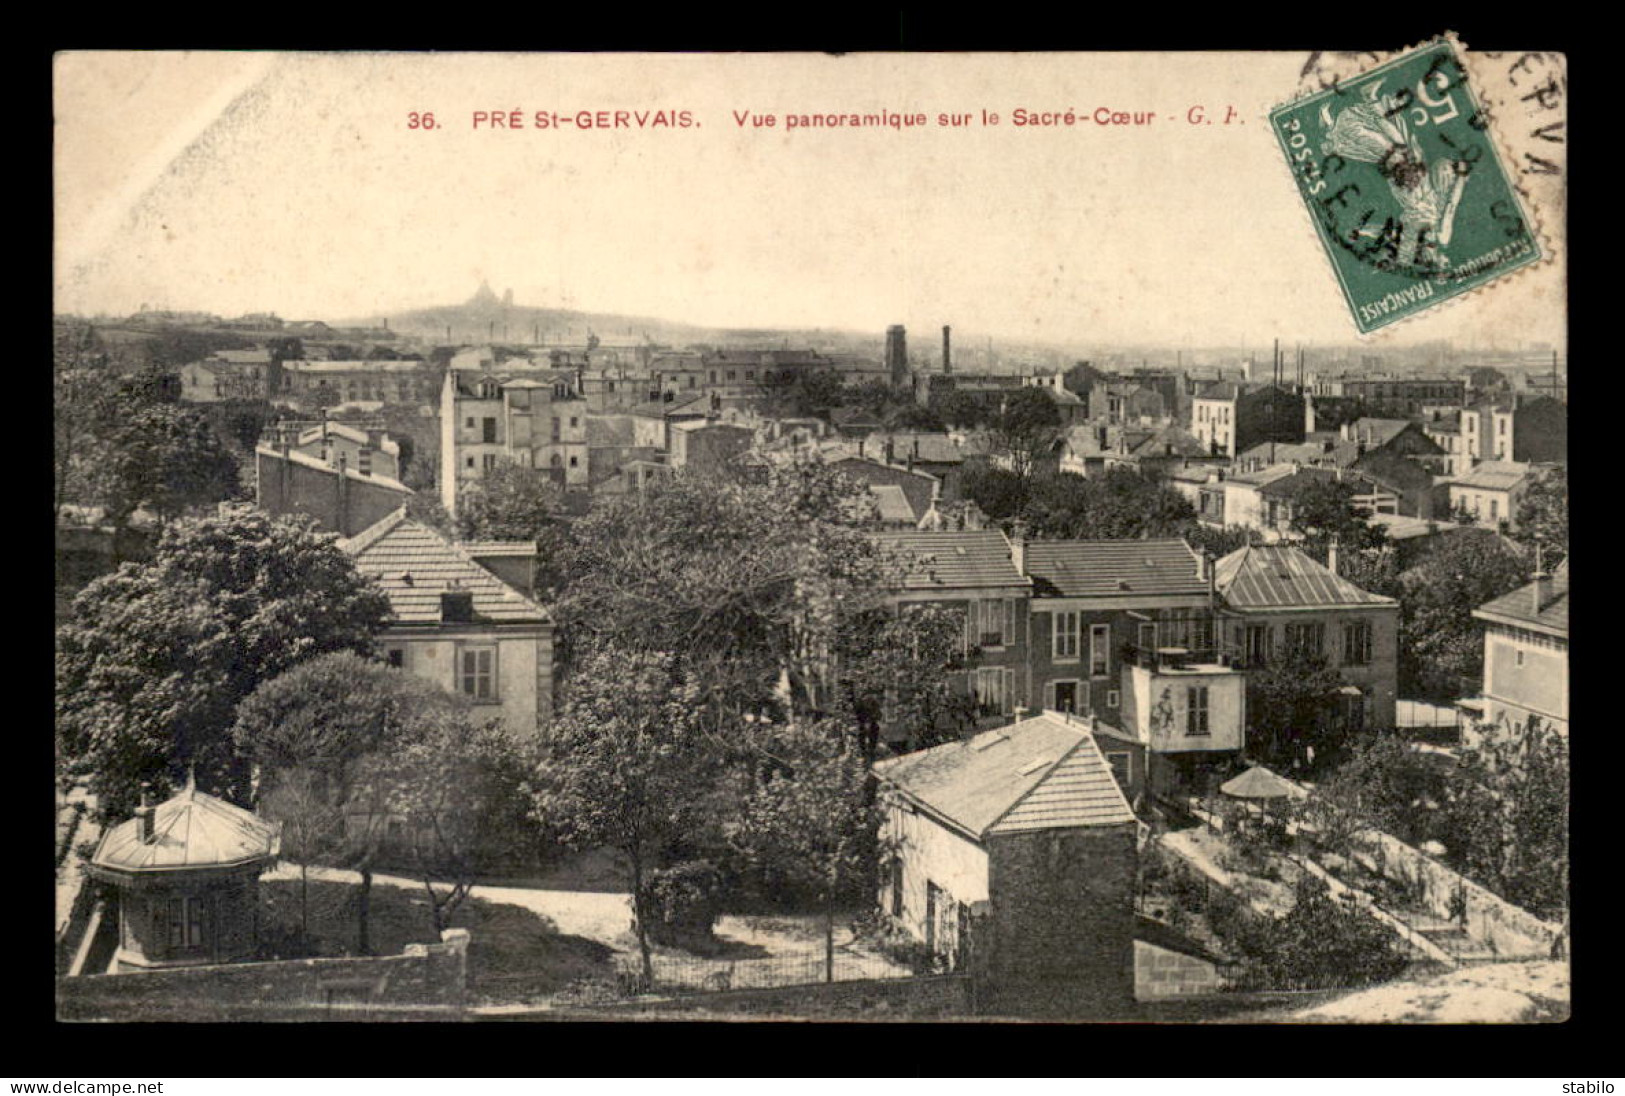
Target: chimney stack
<point>947,358</point>
<point>1331,556</point>
<point>144,814</point>
<point>1018,545</point>
<point>1542,583</point>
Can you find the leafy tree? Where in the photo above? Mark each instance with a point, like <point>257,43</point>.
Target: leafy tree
<point>1290,707</point>
<point>1543,517</point>
<point>894,673</point>
<point>1027,424</point>
<point>807,393</point>
<point>167,459</point>
<point>960,409</point>
<point>1507,817</point>
<point>1441,646</point>
<point>1001,494</point>
<point>87,403</point>
<point>1375,570</point>
<point>156,657</point>
<point>629,764</point>
<point>344,746</point>
<point>1323,942</point>
<point>509,502</point>
<point>1217,543</point>
<point>805,832</point>
<point>1121,504</point>
<point>912,416</point>
<point>1324,508</point>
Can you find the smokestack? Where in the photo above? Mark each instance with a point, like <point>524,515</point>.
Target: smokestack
<point>1331,556</point>
<point>947,353</point>
<point>1018,545</point>
<point>1542,584</point>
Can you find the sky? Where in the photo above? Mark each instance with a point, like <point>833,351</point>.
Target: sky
<point>296,183</point>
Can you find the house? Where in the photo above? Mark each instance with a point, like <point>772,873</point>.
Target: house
<point>187,876</point>
<point>343,499</point>
<point>1128,632</point>
<point>1230,417</point>
<point>1280,603</point>
<point>534,418</point>
<point>1015,854</point>
<point>971,573</point>
<point>920,489</point>
<point>1490,492</point>
<point>382,381</point>
<point>1391,395</point>
<point>455,623</point>
<point>1526,655</point>
<point>228,375</point>
<point>369,451</point>
<point>707,445</point>
<point>1523,428</point>
<point>854,422</point>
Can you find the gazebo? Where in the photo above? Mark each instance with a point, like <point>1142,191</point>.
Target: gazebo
<point>1259,783</point>
<point>187,873</point>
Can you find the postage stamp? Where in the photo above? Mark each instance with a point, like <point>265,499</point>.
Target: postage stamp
<point>1411,199</point>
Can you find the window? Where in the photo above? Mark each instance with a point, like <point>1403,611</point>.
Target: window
<point>397,657</point>
<point>994,686</point>
<point>1112,698</point>
<point>1066,635</point>
<point>990,622</point>
<point>1196,710</point>
<point>1258,644</point>
<point>1148,635</point>
<point>1305,639</point>
<point>470,462</point>
<point>489,461</point>
<point>574,462</point>
<point>488,431</point>
<point>1357,643</point>
<point>1519,660</point>
<point>1495,509</point>
<point>186,915</point>
<point>477,673</point>
<point>897,886</point>
<point>1100,640</point>
<point>573,421</point>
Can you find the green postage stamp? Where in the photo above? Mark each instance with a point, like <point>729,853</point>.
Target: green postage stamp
<point>1405,187</point>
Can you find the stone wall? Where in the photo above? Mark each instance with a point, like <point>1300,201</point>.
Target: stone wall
<point>340,504</point>
<point>1161,974</point>
<point>935,996</point>
<point>424,982</point>
<point>1059,940</point>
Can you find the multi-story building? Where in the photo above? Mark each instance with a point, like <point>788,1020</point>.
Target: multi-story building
<point>535,418</point>
<point>1128,632</point>
<point>1526,655</point>
<point>1229,417</point>
<point>1399,397</point>
<point>1280,603</point>
<point>457,624</point>
<point>369,452</point>
<point>408,381</point>
<point>972,573</point>
<point>1524,428</point>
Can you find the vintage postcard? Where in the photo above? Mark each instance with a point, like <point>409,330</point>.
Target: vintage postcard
<point>990,537</point>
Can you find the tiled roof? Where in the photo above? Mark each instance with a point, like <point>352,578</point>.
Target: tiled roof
<point>414,565</point>
<point>1494,475</point>
<point>192,830</point>
<point>892,503</point>
<point>1038,774</point>
<point>1264,475</point>
<point>1169,441</point>
<point>933,448</point>
<point>1378,431</point>
<point>1265,577</point>
<point>1519,606</point>
<point>1221,390</point>
<point>950,559</point>
<point>1112,568</point>
<point>1289,486</point>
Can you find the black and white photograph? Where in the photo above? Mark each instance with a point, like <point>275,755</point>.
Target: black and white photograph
<point>770,537</point>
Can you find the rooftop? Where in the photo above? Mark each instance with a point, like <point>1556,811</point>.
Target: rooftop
<point>1039,774</point>
<point>1274,577</point>
<point>944,559</point>
<point>191,831</point>
<point>1543,608</point>
<point>414,565</point>
<point>1494,475</point>
<point>1113,568</point>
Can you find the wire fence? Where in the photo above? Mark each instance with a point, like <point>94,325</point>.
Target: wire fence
<point>700,974</point>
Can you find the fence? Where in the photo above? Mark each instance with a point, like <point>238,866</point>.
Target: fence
<point>698,974</point>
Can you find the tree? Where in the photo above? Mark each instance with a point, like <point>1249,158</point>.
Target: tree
<point>1120,504</point>
<point>1001,494</point>
<point>1440,644</point>
<point>1290,707</point>
<point>960,409</point>
<point>1322,943</point>
<point>894,672</point>
<point>1027,424</point>
<point>808,393</point>
<point>911,416</point>
<point>806,831</point>
<point>629,763</point>
<point>342,746</point>
<point>86,405</point>
<point>1543,517</point>
<point>167,459</point>
<point>510,502</point>
<point>156,657</point>
<point>1323,509</point>
<point>1507,816</point>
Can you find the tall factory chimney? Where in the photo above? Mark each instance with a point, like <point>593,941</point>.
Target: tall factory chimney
<point>947,354</point>
<point>897,355</point>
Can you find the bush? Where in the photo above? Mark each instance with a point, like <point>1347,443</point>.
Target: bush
<point>683,902</point>
<point>1323,943</point>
